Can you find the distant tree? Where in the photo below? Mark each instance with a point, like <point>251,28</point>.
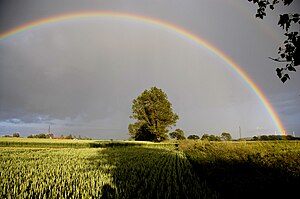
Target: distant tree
<point>17,135</point>
<point>290,137</point>
<point>205,137</point>
<point>69,136</point>
<point>6,136</point>
<point>226,136</point>
<point>264,137</point>
<point>178,134</point>
<point>193,137</point>
<point>255,138</point>
<point>50,136</point>
<point>210,137</point>
<point>214,138</point>
<point>41,135</point>
<point>289,52</point>
<point>272,137</point>
<point>154,115</point>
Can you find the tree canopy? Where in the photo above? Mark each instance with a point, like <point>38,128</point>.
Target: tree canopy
<point>226,136</point>
<point>289,52</point>
<point>193,137</point>
<point>178,134</point>
<point>210,137</point>
<point>154,115</point>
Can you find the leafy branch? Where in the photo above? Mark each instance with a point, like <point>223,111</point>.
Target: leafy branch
<point>289,52</point>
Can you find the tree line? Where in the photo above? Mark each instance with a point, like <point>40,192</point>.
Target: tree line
<point>50,136</point>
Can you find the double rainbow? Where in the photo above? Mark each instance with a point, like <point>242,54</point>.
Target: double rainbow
<point>168,26</point>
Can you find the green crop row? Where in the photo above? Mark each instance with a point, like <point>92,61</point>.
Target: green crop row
<point>143,172</point>
<point>112,172</point>
<point>50,173</point>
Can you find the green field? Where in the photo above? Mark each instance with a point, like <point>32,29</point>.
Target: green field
<point>124,169</point>
<point>253,169</point>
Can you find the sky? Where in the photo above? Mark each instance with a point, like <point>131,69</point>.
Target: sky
<point>80,75</point>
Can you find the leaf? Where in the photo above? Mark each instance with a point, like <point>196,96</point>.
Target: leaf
<point>289,58</point>
<point>291,68</point>
<point>296,15</point>
<point>284,21</point>
<point>297,57</point>
<point>295,19</point>
<point>285,77</point>
<point>279,72</point>
<point>259,16</point>
<point>287,2</point>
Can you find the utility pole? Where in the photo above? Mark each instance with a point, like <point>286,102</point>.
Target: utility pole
<point>240,132</point>
<point>49,130</point>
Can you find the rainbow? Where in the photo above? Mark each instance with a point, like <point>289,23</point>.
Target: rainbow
<point>165,25</point>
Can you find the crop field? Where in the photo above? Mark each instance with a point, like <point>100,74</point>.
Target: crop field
<point>269,169</point>
<point>198,169</point>
<point>112,172</point>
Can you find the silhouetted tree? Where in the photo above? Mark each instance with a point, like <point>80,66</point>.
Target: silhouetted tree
<point>154,115</point>
<point>289,52</point>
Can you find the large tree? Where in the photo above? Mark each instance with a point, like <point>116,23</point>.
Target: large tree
<point>289,52</point>
<point>154,115</point>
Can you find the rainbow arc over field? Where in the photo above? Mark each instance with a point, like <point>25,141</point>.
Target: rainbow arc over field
<point>156,22</point>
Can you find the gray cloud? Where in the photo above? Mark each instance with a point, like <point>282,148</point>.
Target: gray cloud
<point>82,75</point>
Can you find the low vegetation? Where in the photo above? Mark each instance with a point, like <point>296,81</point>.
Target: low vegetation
<point>130,169</point>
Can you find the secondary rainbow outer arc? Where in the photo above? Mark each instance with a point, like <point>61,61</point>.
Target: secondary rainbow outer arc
<point>168,26</point>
